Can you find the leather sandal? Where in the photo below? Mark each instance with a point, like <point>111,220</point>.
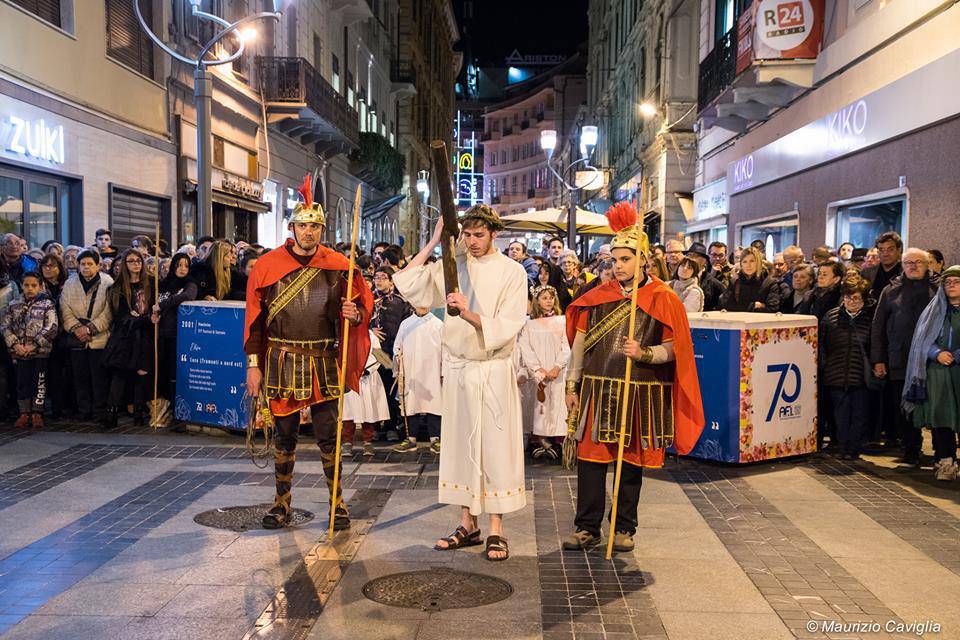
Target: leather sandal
<point>460,538</point>
<point>496,544</point>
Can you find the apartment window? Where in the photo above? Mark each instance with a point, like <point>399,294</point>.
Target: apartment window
<point>126,41</point>
<point>317,52</point>
<point>523,184</point>
<point>727,13</point>
<point>335,76</point>
<point>513,185</point>
<point>48,10</point>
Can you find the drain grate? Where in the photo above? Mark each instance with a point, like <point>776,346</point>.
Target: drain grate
<point>437,589</point>
<point>246,518</point>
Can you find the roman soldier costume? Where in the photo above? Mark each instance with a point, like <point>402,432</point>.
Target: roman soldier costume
<point>293,326</point>
<point>663,400</point>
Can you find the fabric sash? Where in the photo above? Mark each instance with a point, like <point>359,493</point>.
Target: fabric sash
<point>612,320</point>
<point>291,291</point>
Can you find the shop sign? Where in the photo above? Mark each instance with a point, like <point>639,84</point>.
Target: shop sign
<point>888,112</point>
<point>711,201</point>
<point>787,29</point>
<point>241,187</point>
<point>33,139</point>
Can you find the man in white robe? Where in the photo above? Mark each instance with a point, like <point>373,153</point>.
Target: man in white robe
<point>481,461</point>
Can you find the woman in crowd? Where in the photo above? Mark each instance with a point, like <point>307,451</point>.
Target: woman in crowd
<point>802,277</point>
<point>826,295</point>
<point>144,245</point>
<point>59,376</point>
<point>215,275</point>
<point>389,310</point>
<point>752,290</point>
<point>657,267</point>
<point>175,289</point>
<point>70,256</point>
<point>844,367</point>
<point>570,268</point>
<point>85,309</point>
<point>605,270</point>
<point>52,246</point>
<point>544,352</point>
<point>936,261</point>
<point>686,285</point>
<point>129,352</point>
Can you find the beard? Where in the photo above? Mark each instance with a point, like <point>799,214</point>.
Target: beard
<point>303,245</point>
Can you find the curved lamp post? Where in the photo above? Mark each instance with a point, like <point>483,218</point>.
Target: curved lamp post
<point>589,136</point>
<point>203,93</point>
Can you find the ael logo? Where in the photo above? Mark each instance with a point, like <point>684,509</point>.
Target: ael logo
<point>784,18</point>
<point>788,411</point>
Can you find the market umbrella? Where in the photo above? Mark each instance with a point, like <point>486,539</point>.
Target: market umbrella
<point>555,221</point>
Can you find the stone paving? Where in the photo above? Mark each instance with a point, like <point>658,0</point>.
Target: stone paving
<point>98,540</point>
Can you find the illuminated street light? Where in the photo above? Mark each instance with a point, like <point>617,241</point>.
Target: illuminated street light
<point>423,184</point>
<point>589,137</point>
<point>248,35</point>
<point>548,141</point>
<point>647,110</point>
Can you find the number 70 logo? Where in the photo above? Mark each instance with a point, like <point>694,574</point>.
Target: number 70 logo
<point>781,392</point>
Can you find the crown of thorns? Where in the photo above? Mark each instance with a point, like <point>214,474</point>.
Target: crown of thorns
<point>485,213</point>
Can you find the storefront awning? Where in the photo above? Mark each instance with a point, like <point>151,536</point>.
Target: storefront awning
<point>380,208</point>
<point>239,202</point>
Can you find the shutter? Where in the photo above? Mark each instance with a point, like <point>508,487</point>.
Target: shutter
<point>133,214</point>
<point>48,10</point>
<point>126,41</point>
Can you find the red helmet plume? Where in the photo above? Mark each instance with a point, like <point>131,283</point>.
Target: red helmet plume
<point>621,216</point>
<point>306,190</point>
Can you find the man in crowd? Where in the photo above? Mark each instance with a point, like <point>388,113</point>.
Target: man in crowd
<point>555,247</point>
<point>673,255</point>
<point>889,248</point>
<point>516,250</point>
<point>16,258</point>
<point>377,252</point>
<point>779,266</point>
<point>898,310</point>
<point>104,241</point>
<point>712,289</point>
<point>720,264</point>
<point>793,257</point>
<point>392,256</point>
<point>822,255</point>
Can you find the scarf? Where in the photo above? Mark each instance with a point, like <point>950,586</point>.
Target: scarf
<point>89,284</point>
<point>924,336</point>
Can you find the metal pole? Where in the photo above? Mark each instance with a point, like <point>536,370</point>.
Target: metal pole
<point>203,99</point>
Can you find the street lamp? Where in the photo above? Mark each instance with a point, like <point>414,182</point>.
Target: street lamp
<point>203,91</point>
<point>589,137</point>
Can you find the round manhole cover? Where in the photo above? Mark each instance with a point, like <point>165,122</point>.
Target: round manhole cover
<point>437,589</point>
<point>245,518</point>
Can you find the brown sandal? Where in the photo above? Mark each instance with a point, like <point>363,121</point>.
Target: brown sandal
<point>459,539</point>
<point>496,544</point>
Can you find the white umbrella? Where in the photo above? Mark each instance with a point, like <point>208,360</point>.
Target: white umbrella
<point>554,220</point>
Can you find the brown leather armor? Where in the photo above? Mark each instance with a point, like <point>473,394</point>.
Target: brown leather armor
<point>649,403</point>
<point>302,334</point>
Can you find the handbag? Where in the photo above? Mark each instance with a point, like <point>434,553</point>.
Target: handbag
<point>70,341</point>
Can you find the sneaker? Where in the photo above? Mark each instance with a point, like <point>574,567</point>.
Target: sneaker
<point>435,447</point>
<point>946,470</point>
<point>579,540</point>
<point>539,452</point>
<point>405,446</point>
<point>346,448</point>
<point>368,449</point>
<point>622,541</point>
<point>550,453</point>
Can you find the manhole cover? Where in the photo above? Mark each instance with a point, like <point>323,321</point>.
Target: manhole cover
<point>246,518</point>
<point>437,589</point>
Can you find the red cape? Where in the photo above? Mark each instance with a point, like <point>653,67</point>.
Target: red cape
<point>659,300</point>
<point>275,264</point>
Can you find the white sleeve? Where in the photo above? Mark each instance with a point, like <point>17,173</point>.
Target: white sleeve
<point>422,286</point>
<point>511,314</point>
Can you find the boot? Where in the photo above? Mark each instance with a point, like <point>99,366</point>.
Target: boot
<point>36,421</point>
<point>138,420</point>
<point>341,518</point>
<point>279,514</point>
<point>110,418</point>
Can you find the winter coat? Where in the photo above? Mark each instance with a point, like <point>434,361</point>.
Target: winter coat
<point>690,294</point>
<point>533,270</point>
<point>388,312</point>
<point>898,311</point>
<point>820,301</point>
<point>131,339</point>
<point>844,343</point>
<point>879,279</point>
<point>202,274</point>
<point>74,303</point>
<point>30,322</point>
<point>712,289</point>
<point>170,302</point>
<point>787,305</point>
<point>744,292</point>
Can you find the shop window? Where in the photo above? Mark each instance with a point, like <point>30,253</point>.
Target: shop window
<point>11,205</point>
<point>776,234</point>
<point>48,10</point>
<point>42,224</point>
<point>126,41</point>
<point>34,205</point>
<point>861,223</point>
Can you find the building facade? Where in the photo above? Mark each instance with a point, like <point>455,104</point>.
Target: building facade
<point>83,146</point>
<point>424,76</point>
<point>642,77</point>
<point>835,138</point>
<point>516,175</point>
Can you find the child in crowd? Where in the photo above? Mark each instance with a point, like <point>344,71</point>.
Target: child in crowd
<point>369,407</point>
<point>416,355</point>
<point>544,354</point>
<point>29,327</point>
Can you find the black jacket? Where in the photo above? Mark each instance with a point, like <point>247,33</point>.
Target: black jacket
<point>844,345</point>
<point>712,290</point>
<point>820,301</point>
<point>130,346</point>
<point>202,274</point>
<point>170,302</point>
<point>879,279</point>
<point>898,311</point>
<point>744,292</point>
<point>388,312</point>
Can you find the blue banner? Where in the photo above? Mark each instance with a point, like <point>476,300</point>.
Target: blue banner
<point>211,365</point>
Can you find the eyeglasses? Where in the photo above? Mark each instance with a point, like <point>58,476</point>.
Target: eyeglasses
<point>381,277</point>
<point>913,263</point>
<point>134,261</point>
<point>951,282</point>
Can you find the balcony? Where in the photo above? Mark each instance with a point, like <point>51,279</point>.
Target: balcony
<point>717,70</point>
<point>524,124</point>
<point>302,105</point>
<point>540,116</point>
<point>403,79</point>
<point>507,131</point>
<point>531,193</point>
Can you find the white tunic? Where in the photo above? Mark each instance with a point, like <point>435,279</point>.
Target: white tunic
<point>481,460</point>
<point>417,352</point>
<point>528,391</point>
<point>543,345</point>
<point>370,405</point>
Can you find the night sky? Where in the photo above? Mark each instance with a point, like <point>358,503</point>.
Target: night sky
<point>531,26</point>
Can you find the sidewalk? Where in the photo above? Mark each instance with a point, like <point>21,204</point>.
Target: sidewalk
<point>98,540</point>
